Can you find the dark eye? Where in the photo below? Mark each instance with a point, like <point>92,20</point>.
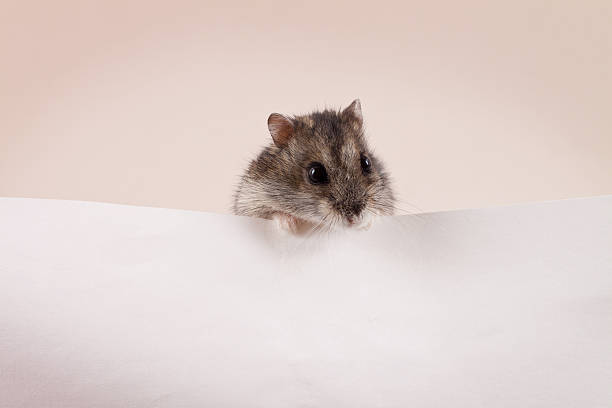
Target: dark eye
<point>366,164</point>
<point>317,174</point>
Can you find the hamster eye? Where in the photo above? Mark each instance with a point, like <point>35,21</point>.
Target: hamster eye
<point>317,174</point>
<point>366,164</point>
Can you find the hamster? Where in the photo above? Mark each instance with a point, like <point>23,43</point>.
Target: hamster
<point>317,173</point>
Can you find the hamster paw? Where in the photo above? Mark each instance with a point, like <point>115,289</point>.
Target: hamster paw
<point>287,223</point>
<point>364,226</point>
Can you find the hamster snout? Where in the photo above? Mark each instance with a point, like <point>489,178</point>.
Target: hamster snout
<point>350,208</point>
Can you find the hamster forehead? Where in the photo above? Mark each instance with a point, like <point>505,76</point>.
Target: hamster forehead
<point>326,137</point>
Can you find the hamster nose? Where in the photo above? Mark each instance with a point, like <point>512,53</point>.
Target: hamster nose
<point>356,208</point>
<point>352,212</point>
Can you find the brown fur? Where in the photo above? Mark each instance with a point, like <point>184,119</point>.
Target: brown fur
<point>277,183</point>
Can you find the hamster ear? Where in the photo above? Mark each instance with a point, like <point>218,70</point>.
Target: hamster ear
<point>354,110</point>
<point>281,129</point>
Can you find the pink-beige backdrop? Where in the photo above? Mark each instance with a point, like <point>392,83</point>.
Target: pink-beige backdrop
<point>471,104</point>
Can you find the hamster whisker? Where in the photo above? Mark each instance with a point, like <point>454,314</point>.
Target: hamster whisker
<point>402,227</point>
<point>408,203</point>
<point>401,210</point>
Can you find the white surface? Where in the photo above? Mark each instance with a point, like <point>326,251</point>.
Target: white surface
<point>114,306</point>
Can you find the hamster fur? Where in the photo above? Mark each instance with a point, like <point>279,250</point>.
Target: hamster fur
<point>318,173</point>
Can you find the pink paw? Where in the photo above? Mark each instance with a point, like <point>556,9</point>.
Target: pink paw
<point>286,222</point>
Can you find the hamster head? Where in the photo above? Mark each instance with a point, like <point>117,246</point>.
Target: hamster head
<point>320,169</point>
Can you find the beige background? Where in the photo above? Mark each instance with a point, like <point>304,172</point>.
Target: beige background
<point>471,104</point>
